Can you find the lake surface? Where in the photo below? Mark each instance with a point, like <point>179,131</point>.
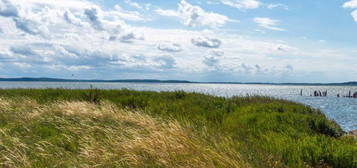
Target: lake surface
<point>342,110</point>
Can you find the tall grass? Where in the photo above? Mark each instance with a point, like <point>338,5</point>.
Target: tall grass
<point>82,134</point>
<point>266,132</point>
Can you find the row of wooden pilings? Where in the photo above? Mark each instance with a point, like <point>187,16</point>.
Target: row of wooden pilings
<point>318,93</point>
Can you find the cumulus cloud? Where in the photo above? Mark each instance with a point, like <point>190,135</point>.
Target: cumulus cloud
<point>352,4</point>
<point>32,17</point>
<point>30,27</point>
<point>213,61</point>
<point>126,37</point>
<point>210,61</point>
<point>71,56</point>
<point>268,23</point>
<point>169,47</point>
<point>70,18</point>
<point>242,4</point>
<point>63,55</point>
<point>206,42</point>
<point>213,58</point>
<point>92,14</point>
<point>23,50</point>
<point>246,68</point>
<point>12,10</point>
<point>28,54</point>
<point>133,4</point>
<point>256,70</point>
<point>49,38</point>
<point>129,37</point>
<point>6,57</point>
<point>165,62</point>
<point>73,43</point>
<point>7,9</point>
<point>120,13</point>
<point>354,15</point>
<point>195,16</point>
<point>217,53</point>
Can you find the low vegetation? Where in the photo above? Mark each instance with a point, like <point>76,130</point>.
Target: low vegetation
<point>82,134</point>
<point>122,128</point>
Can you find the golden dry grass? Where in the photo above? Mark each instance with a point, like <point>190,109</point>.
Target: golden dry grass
<point>81,134</point>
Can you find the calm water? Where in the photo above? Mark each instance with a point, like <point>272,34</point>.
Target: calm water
<point>342,110</point>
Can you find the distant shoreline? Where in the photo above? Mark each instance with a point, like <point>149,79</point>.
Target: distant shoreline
<point>26,79</point>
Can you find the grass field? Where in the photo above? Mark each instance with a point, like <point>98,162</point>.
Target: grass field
<point>122,128</point>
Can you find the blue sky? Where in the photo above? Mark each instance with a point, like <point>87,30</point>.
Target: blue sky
<point>213,40</point>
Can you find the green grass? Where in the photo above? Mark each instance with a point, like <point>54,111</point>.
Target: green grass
<point>266,132</point>
<point>81,134</point>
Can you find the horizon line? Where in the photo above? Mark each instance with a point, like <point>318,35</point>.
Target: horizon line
<point>51,79</point>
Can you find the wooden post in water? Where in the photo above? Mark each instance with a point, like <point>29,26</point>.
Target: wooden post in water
<point>301,92</point>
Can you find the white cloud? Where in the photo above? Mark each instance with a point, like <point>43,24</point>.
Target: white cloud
<point>129,37</point>
<point>165,62</point>
<point>242,4</point>
<point>350,4</point>
<point>70,18</point>
<point>210,2</point>
<point>7,9</point>
<point>65,24</point>
<point>278,5</point>
<point>354,15</point>
<point>48,38</point>
<point>268,23</point>
<point>169,47</point>
<point>30,27</point>
<point>213,59</point>
<point>65,4</point>
<point>206,42</point>
<point>133,4</point>
<point>120,13</point>
<point>93,16</point>
<point>195,16</point>
<point>163,12</point>
<point>217,53</point>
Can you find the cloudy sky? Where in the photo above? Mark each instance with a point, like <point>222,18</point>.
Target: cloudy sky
<point>199,40</point>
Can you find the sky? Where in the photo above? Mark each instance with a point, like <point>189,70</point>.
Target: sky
<point>197,40</point>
